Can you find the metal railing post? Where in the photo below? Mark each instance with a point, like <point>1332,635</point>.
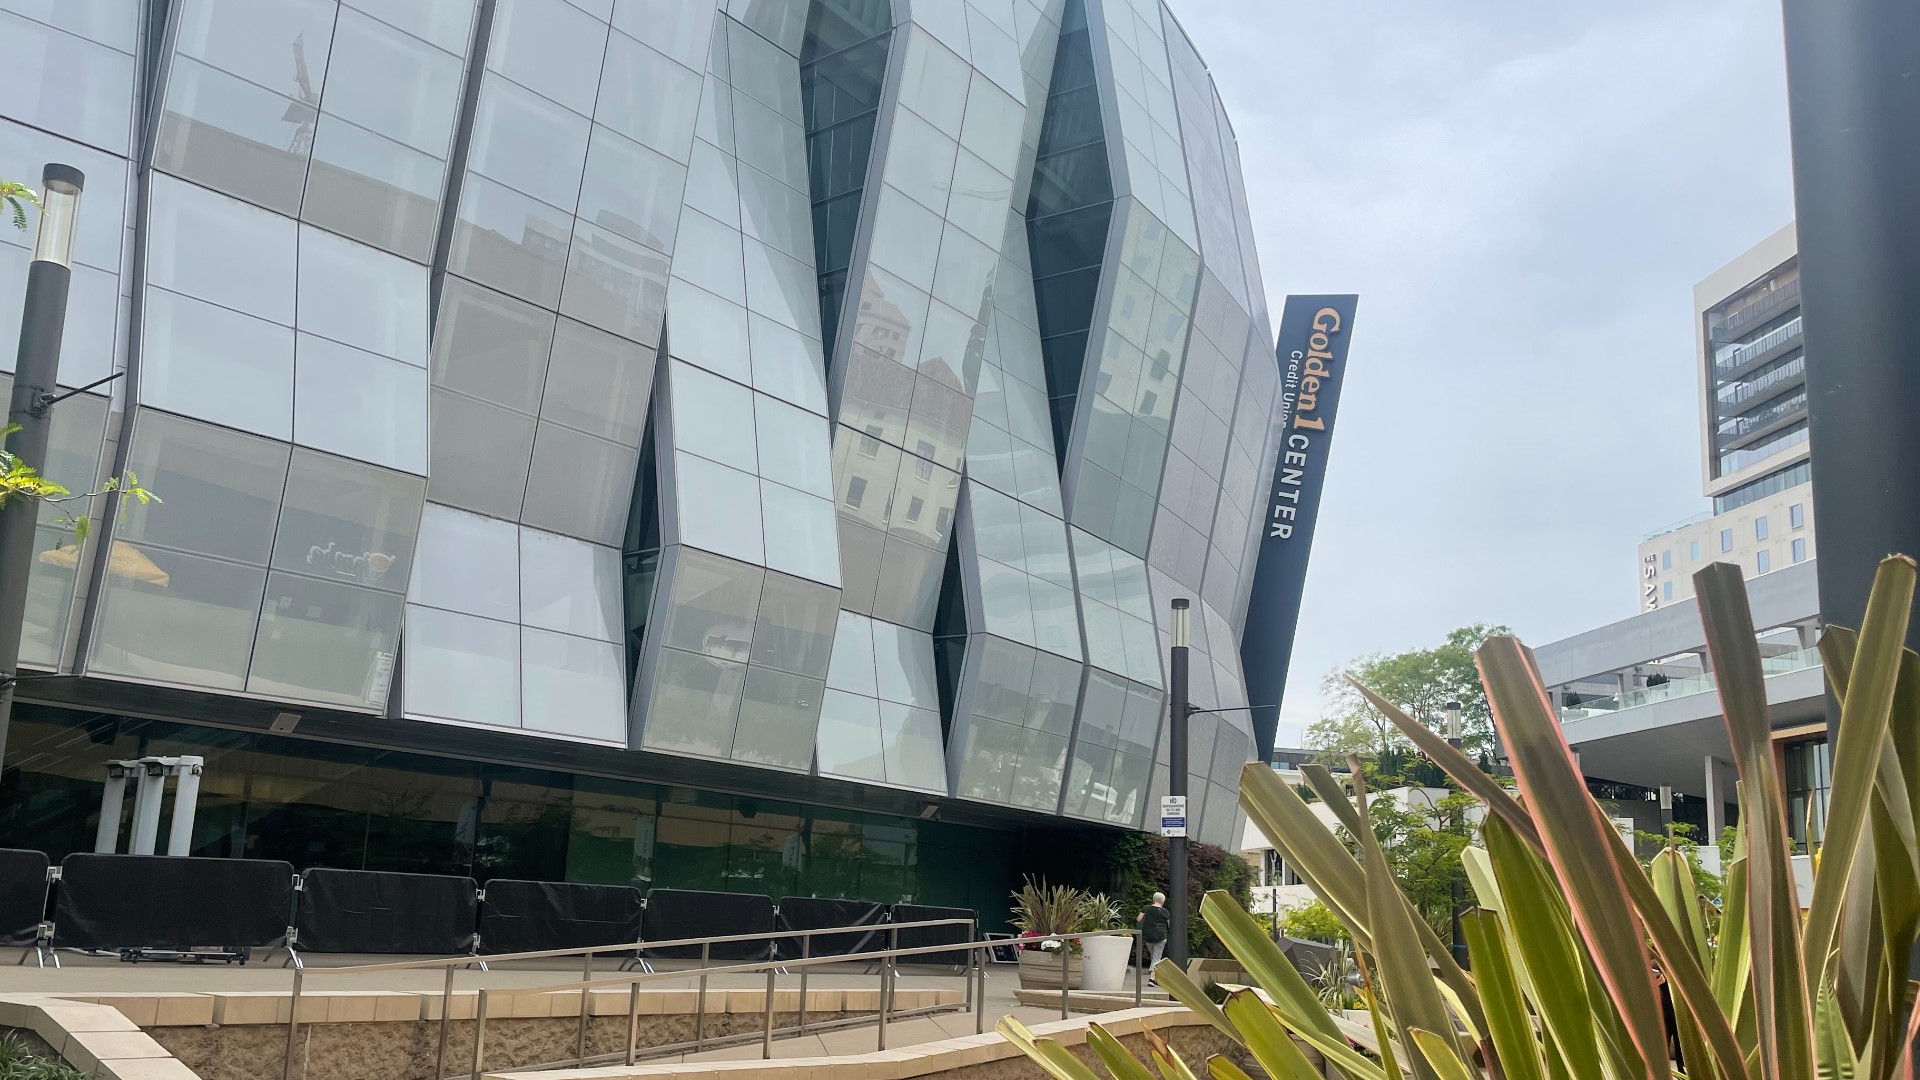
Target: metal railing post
<point>293,1025</point>
<point>806,952</point>
<point>1139,967</point>
<point>766,1037</point>
<point>1066,958</point>
<point>580,1041</point>
<point>700,1014</point>
<point>886,967</point>
<point>981,957</point>
<point>446,1025</point>
<point>479,1033</point>
<point>633,1021</point>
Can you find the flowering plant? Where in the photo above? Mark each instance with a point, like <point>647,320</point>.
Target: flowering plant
<point>1042,910</point>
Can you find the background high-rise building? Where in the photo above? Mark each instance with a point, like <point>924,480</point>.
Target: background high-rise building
<point>1753,412</point>
<point>745,444</point>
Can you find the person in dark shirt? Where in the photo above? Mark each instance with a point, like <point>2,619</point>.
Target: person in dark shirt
<point>1155,922</point>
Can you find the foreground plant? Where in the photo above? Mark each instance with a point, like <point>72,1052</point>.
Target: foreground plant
<point>1573,938</point>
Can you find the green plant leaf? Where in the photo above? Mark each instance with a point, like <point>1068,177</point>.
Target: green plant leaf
<point>1780,999</point>
<point>1732,962</point>
<point>1123,1065</point>
<point>1578,841</point>
<point>1833,1048</point>
<point>1223,1068</point>
<point>1164,1058</point>
<point>1404,976</point>
<point>1056,1060</point>
<point>1176,982</point>
<point>1308,845</point>
<point>1441,1057</point>
<point>1509,1026</point>
<point>1480,878</point>
<point>1266,1038</point>
<point>1541,931</point>
<point>1262,959</point>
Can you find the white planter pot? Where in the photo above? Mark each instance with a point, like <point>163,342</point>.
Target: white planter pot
<point>1106,962</point>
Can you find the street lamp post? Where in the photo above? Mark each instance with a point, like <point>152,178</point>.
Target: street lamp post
<point>35,369</point>
<point>1666,811</point>
<point>1178,710</point>
<point>1453,887</point>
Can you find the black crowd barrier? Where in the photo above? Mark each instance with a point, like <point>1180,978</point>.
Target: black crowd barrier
<point>23,895</point>
<point>685,913</point>
<point>924,936</point>
<point>812,913</point>
<point>366,911</point>
<point>533,916</point>
<point>171,902</point>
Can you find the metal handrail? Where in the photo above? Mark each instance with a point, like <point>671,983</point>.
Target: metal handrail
<point>452,964</point>
<point>888,959</point>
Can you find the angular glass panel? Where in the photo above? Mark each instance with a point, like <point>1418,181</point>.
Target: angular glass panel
<point>675,27</point>
<point>778,716</point>
<point>235,137</point>
<point>994,52</point>
<point>980,199</point>
<point>479,455</point>
<point>950,352</point>
<point>993,125</point>
<point>572,686</point>
<point>710,257</point>
<point>760,68</point>
<point>708,331</point>
<point>467,563</point>
<point>631,191</point>
<point>359,404</point>
<point>217,364</point>
<point>787,364</point>
<point>325,641</point>
<point>1006,605</point>
<point>512,242</point>
<point>906,238</point>
<point>713,183</point>
<point>362,297</point>
<point>278,44</point>
<point>796,626</point>
<point>220,250</point>
<point>928,81</point>
<point>645,96</point>
<point>909,586</point>
<point>104,22</point>
<point>770,142</point>
<point>802,536</point>
<point>178,618</point>
<point>924,504</point>
<point>373,189</point>
<point>794,446</point>
<point>713,417</point>
<point>348,522</point>
<point>598,383</point>
<point>446,23</point>
<point>937,427</point>
<point>719,508</point>
<point>964,274</point>
<point>98,233</point>
<point>528,143</point>
<point>461,668</point>
<point>910,742</point>
<point>392,83</point>
<point>714,607</point>
<point>223,489</point>
<point>491,346</point>
<point>849,742</point>
<point>861,549</point>
<point>696,701</point>
<point>852,668</point>
<point>989,758</point>
<point>1056,625</point>
<point>776,215</point>
<point>920,162</point>
<point>570,586</point>
<point>579,485</point>
<point>1043,758</point>
<point>903,662</point>
<point>550,47</point>
<point>615,284</point>
<point>997,533</point>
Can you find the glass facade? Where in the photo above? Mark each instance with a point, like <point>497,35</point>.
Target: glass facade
<point>1757,373</point>
<point>821,395</point>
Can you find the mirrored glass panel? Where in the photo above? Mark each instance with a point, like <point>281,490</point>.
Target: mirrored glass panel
<point>349,522</point>
<point>570,586</point>
<point>325,641</point>
<point>695,703</point>
<point>467,563</point>
<point>572,686</point>
<point>778,714</point>
<point>462,668</point>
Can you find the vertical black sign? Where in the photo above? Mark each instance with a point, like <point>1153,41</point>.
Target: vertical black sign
<point>1313,364</point>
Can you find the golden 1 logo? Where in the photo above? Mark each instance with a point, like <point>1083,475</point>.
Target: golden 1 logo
<point>1310,370</point>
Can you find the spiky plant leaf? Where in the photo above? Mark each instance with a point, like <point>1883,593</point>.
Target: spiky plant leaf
<point>1057,1061</point>
<point>1123,1065</point>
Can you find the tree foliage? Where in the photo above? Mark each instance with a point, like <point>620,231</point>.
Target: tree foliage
<point>1421,682</point>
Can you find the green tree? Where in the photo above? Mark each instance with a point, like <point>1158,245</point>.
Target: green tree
<point>1421,682</point>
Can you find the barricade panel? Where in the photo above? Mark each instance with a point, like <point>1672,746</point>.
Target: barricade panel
<point>368,911</point>
<point>23,896</point>
<point>534,916</point>
<point>814,913</point>
<point>921,937</point>
<point>171,902</point>
<point>686,913</point>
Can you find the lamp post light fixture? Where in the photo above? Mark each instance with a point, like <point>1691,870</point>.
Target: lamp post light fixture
<point>35,369</point>
<point>1666,810</point>
<point>1178,712</point>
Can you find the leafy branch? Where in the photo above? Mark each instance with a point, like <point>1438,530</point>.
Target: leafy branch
<point>21,480</point>
<point>17,198</point>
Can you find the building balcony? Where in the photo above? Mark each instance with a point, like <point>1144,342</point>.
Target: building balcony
<point>1783,664</point>
<point>1775,343</point>
<point>1760,310</point>
<point>1778,381</point>
<point>1746,430</point>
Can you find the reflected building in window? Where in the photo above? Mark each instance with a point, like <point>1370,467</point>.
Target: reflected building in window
<point>813,401</point>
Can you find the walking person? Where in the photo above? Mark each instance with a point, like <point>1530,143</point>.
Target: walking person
<point>1155,924</point>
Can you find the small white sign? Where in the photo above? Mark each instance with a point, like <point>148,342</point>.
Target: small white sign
<point>1173,815</point>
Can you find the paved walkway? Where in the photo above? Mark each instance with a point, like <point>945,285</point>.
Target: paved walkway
<point>86,974</point>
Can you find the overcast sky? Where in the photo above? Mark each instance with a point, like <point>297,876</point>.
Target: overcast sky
<point>1523,195</point>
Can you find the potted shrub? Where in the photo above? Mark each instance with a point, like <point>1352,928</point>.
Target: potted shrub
<point>1043,910</point>
<point>1105,957</point>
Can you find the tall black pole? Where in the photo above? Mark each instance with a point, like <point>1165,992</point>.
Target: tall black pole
<point>1177,713</point>
<point>1456,895</point>
<point>1853,101</point>
<point>35,368</point>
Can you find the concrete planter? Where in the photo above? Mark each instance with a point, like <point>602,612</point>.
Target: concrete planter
<point>1041,970</point>
<point>1106,962</point>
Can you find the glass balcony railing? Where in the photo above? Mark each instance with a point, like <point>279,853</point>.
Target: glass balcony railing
<point>1734,393</point>
<point>1742,426</point>
<point>1798,660</point>
<point>1733,357</point>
